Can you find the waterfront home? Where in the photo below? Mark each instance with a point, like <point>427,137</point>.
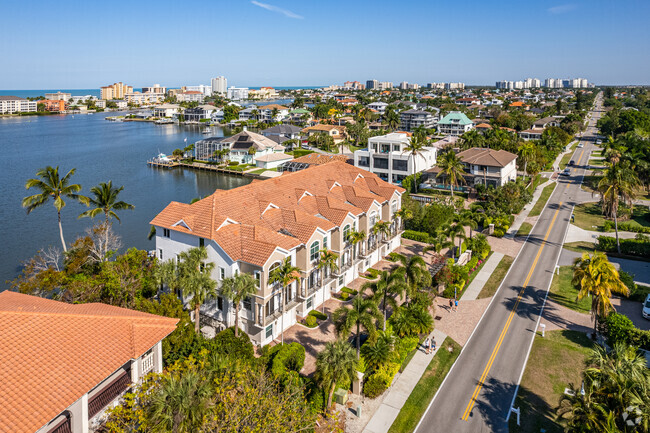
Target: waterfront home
<point>272,113</point>
<point>166,110</point>
<point>386,157</point>
<point>14,104</point>
<point>64,364</point>
<point>413,119</point>
<point>254,228</point>
<point>531,134</point>
<point>300,115</point>
<point>455,123</point>
<point>286,131</point>
<point>120,104</point>
<point>54,105</point>
<point>311,160</point>
<point>199,113</point>
<point>272,160</point>
<point>336,132</point>
<point>482,166</point>
<point>138,98</point>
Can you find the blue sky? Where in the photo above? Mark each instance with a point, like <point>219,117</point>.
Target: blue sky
<point>86,44</point>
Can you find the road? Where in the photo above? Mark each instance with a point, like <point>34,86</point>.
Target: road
<point>478,391</point>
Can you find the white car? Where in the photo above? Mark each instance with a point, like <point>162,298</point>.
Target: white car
<point>646,307</point>
<point>580,145</point>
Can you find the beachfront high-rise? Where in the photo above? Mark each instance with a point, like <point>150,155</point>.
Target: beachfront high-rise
<point>115,91</point>
<point>219,85</point>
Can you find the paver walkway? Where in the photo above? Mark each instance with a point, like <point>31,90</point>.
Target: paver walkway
<point>481,278</point>
<point>399,391</point>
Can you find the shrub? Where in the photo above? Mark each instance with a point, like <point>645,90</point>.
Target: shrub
<point>629,227</point>
<point>349,290</point>
<point>393,257</point>
<point>317,314</point>
<point>286,357</point>
<point>416,236</point>
<point>499,233</point>
<point>315,396</point>
<point>374,273</point>
<point>345,296</point>
<point>374,386</point>
<point>311,321</point>
<point>633,247</point>
<point>608,226</point>
<point>473,262</point>
<point>233,163</point>
<point>406,345</point>
<point>239,347</point>
<point>620,329</point>
<point>628,280</point>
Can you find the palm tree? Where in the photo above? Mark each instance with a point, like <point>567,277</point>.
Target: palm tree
<point>415,273</point>
<point>236,289</point>
<point>364,313</point>
<point>180,403</point>
<point>619,181</point>
<point>451,167</point>
<point>326,260</point>
<point>467,219</point>
<point>392,119</point>
<point>595,276</point>
<point>383,289</point>
<point>527,150</point>
<point>285,274</point>
<point>105,200</point>
<point>381,351</point>
<point>455,231</point>
<point>472,138</point>
<point>194,279</point>
<point>51,185</point>
<point>381,229</point>
<point>440,241</point>
<point>355,237</point>
<point>412,320</point>
<point>403,214</point>
<point>415,148</point>
<point>335,363</point>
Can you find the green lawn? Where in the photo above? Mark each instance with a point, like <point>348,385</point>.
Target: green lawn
<point>543,198</point>
<point>426,388</point>
<point>493,283</point>
<point>597,162</point>
<point>580,247</point>
<point>563,292</point>
<point>555,361</point>
<point>589,216</point>
<point>590,182</point>
<point>525,229</point>
<point>300,152</point>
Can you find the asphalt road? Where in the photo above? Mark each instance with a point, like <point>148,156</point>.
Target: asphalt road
<point>478,391</point>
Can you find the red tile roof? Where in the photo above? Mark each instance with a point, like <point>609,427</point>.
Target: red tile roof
<point>53,353</point>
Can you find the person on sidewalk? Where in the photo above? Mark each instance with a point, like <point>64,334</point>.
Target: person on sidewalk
<point>455,304</point>
<point>433,344</point>
<point>426,345</point>
<point>451,304</point>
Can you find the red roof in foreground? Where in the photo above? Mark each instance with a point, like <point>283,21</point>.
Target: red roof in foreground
<point>52,353</point>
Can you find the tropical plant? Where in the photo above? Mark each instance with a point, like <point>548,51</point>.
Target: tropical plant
<point>595,276</point>
<point>105,200</point>
<point>456,231</point>
<point>378,353</point>
<point>327,260</point>
<point>335,363</point>
<point>356,237</point>
<point>285,274</point>
<point>403,214</point>
<point>363,314</point>
<point>51,185</point>
<point>385,288</point>
<point>392,119</point>
<point>237,289</point>
<point>451,167</point>
<point>194,279</point>
<point>415,273</point>
<point>412,320</point>
<point>527,151</point>
<point>415,147</point>
<point>381,229</point>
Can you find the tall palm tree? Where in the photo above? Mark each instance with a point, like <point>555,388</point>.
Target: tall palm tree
<point>467,219</point>
<point>335,363</point>
<point>356,237</point>
<point>105,200</point>
<point>285,274</point>
<point>619,182</point>
<point>381,351</point>
<point>472,138</point>
<point>403,214</point>
<point>451,167</point>
<point>51,185</point>
<point>455,231</point>
<point>236,289</point>
<point>180,403</point>
<point>326,261</point>
<point>595,276</point>
<point>385,288</point>
<point>363,314</point>
<point>381,229</point>
<point>527,151</point>
<point>392,119</point>
<point>415,273</point>
<point>194,279</point>
<point>415,148</point>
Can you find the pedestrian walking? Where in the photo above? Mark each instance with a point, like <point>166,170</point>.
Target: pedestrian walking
<point>433,344</point>
<point>456,305</point>
<point>426,345</point>
<point>451,304</point>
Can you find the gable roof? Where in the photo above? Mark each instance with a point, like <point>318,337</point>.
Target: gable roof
<point>455,118</point>
<point>53,353</point>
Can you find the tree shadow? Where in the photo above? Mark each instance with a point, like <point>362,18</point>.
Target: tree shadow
<point>493,404</point>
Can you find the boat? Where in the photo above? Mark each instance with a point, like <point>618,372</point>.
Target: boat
<point>206,131</point>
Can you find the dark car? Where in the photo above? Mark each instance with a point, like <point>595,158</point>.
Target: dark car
<point>572,162</point>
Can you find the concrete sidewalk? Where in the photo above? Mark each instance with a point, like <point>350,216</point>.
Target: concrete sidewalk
<point>399,391</point>
<point>521,217</point>
<point>481,278</point>
<point>576,234</point>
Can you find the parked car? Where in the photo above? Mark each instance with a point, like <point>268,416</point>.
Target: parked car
<point>646,307</point>
<point>566,172</point>
<point>580,145</point>
<point>599,141</point>
<point>572,162</point>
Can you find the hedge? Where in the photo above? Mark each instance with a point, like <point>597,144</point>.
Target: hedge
<point>631,247</point>
<point>629,227</point>
<point>286,357</point>
<point>416,236</point>
<point>317,314</point>
<point>620,329</point>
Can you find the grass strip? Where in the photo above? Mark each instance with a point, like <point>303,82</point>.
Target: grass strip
<point>524,229</point>
<point>493,283</point>
<point>564,293</point>
<point>541,201</point>
<point>426,388</point>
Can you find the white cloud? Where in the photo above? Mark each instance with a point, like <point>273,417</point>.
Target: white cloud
<point>561,9</point>
<point>277,9</point>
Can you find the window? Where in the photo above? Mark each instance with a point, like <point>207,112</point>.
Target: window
<point>393,206</point>
<point>222,273</point>
<point>325,242</point>
<point>201,242</point>
<point>160,254</point>
<point>219,303</point>
<point>269,331</point>
<point>346,232</point>
<point>309,302</point>
<point>341,280</point>
<point>258,277</point>
<point>166,233</point>
<point>373,218</point>
<point>313,251</point>
<point>248,304</point>
<point>147,362</point>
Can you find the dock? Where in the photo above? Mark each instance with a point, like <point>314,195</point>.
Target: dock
<point>163,164</point>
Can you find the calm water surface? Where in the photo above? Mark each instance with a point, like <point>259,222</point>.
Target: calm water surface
<point>100,151</point>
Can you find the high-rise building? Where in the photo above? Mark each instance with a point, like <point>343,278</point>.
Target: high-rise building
<point>219,85</point>
<point>403,85</point>
<point>156,88</point>
<point>455,86</point>
<point>372,84</point>
<point>536,83</point>
<point>584,83</point>
<point>550,83</point>
<point>237,93</point>
<point>385,85</point>
<point>115,91</point>
<point>58,96</point>
<point>353,85</point>
<point>205,89</point>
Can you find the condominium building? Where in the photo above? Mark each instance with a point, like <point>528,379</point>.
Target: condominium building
<point>58,96</point>
<point>353,85</point>
<point>144,98</point>
<point>190,96</point>
<point>201,88</point>
<point>372,84</point>
<point>262,93</point>
<point>379,106</point>
<point>455,86</point>
<point>219,85</point>
<point>387,158</point>
<point>409,120</point>
<point>115,91</point>
<point>156,88</point>
<point>237,93</point>
<point>254,228</point>
<point>14,104</point>
<point>455,123</point>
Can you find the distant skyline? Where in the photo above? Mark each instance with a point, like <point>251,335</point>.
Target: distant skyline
<point>79,45</point>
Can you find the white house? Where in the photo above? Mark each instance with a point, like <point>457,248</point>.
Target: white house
<point>166,110</point>
<point>482,166</point>
<point>247,146</point>
<point>379,107</point>
<point>387,158</point>
<point>272,160</point>
<point>455,123</point>
<point>14,104</point>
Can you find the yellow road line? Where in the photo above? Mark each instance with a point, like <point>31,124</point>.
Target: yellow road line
<point>495,351</point>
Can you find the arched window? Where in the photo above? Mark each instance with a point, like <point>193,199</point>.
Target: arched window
<point>273,267</point>
<point>346,232</point>
<point>373,218</point>
<point>313,251</point>
<point>393,206</point>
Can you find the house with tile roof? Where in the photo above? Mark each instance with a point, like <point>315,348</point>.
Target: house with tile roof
<point>244,147</point>
<point>64,364</point>
<point>338,133</point>
<point>311,159</point>
<point>455,123</point>
<point>482,166</point>
<point>255,227</point>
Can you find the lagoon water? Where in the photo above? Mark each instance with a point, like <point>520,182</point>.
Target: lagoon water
<point>100,151</point>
